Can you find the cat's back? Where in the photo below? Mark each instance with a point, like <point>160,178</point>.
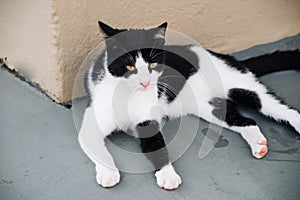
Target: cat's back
<point>95,74</point>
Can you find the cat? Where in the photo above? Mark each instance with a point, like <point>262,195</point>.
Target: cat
<point>137,72</point>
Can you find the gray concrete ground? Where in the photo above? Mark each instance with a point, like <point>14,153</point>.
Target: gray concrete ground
<point>40,157</point>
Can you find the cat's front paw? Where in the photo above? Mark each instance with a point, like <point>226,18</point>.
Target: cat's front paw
<point>167,178</point>
<point>107,177</point>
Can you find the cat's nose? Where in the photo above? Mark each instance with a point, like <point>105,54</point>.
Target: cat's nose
<point>145,84</point>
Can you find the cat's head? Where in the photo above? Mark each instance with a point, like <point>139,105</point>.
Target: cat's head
<point>136,55</point>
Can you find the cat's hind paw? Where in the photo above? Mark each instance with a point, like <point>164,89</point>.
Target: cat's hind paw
<point>167,178</point>
<point>260,149</point>
<point>107,177</point>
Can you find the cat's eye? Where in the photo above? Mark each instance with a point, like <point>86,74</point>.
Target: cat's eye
<point>153,65</point>
<point>130,68</point>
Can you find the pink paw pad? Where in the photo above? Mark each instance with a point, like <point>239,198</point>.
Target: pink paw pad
<point>264,142</point>
<point>263,151</point>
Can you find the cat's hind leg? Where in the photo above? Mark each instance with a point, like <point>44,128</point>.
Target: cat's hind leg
<point>279,111</point>
<point>225,111</point>
<point>91,139</point>
<point>267,104</point>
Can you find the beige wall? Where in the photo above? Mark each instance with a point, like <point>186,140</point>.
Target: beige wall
<point>26,40</point>
<point>53,52</point>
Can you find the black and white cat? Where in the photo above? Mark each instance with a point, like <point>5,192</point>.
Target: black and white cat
<point>136,73</point>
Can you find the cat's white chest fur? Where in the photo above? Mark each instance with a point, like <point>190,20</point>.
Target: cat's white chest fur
<point>127,106</point>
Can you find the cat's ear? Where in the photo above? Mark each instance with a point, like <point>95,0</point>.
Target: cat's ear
<point>160,31</point>
<point>107,30</point>
<point>112,43</point>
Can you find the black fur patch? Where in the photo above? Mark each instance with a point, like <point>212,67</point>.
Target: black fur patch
<point>117,67</point>
<point>182,59</point>
<point>245,97</point>
<point>180,63</point>
<point>98,69</point>
<point>225,110</point>
<point>152,143</point>
<point>86,78</point>
<point>98,72</point>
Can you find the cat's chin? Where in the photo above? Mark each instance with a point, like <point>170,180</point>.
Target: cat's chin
<point>142,88</point>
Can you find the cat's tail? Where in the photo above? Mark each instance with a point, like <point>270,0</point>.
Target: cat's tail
<point>277,61</point>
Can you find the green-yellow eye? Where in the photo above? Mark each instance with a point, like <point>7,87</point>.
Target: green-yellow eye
<point>130,68</point>
<point>153,65</point>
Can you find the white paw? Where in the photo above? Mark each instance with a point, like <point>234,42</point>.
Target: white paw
<point>167,178</point>
<point>260,149</point>
<point>256,140</point>
<point>107,177</point>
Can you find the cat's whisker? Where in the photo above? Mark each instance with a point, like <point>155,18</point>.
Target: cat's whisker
<point>153,48</point>
<point>157,55</point>
<point>128,54</point>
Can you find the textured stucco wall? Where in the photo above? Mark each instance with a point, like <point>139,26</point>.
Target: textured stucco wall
<point>27,42</point>
<point>224,26</point>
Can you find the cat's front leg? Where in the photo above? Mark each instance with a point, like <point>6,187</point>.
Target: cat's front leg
<point>91,138</point>
<point>154,147</point>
